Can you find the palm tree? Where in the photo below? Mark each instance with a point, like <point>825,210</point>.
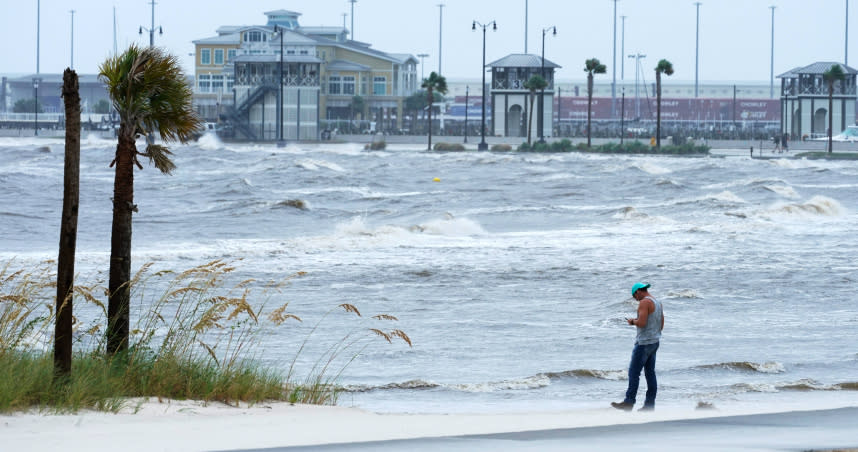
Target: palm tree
<point>150,93</point>
<point>591,66</point>
<point>438,83</point>
<point>665,67</point>
<point>68,229</point>
<point>534,84</point>
<point>833,74</point>
<point>414,104</point>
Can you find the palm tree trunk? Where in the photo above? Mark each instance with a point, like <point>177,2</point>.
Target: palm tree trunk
<point>530,119</point>
<point>657,110</point>
<point>589,104</point>
<point>120,244</point>
<point>830,115</point>
<point>431,98</point>
<point>68,228</point>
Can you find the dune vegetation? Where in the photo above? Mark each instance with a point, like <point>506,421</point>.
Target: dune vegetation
<point>195,335</point>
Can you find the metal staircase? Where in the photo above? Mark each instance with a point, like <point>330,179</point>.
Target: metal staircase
<point>238,115</point>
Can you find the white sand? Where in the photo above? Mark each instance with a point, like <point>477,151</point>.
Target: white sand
<point>150,425</point>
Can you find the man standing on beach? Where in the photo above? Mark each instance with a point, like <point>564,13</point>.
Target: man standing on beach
<point>649,323</point>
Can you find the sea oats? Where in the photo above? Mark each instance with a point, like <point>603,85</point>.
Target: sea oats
<point>381,333</point>
<point>384,317</point>
<point>401,334</point>
<point>350,308</point>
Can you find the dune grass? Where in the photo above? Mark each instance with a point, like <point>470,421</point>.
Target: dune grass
<point>194,336</point>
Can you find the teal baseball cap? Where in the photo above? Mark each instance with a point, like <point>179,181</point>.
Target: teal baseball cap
<point>639,286</point>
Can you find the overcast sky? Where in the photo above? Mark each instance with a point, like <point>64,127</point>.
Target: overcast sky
<point>735,35</point>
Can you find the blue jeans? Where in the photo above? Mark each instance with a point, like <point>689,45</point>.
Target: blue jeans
<point>643,357</point>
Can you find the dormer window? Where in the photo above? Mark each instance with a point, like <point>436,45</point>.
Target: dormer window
<point>255,36</point>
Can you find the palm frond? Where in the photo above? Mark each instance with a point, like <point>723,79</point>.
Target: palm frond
<point>160,157</point>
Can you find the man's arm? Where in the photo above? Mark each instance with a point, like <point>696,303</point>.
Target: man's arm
<point>644,308</point>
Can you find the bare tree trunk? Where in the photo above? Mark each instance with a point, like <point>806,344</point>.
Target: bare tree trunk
<point>120,244</point>
<point>68,228</point>
<point>658,110</point>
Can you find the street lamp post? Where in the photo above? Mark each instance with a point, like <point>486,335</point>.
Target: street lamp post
<point>421,56</point>
<point>440,33</point>
<point>466,113</point>
<point>280,143</point>
<point>696,49</point>
<point>152,29</point>
<point>483,146</point>
<point>772,58</point>
<point>559,116</point>
<point>539,120</point>
<point>71,66</point>
<point>637,58</point>
<point>36,105</point>
<point>623,116</point>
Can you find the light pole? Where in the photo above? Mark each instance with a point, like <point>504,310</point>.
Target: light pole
<point>623,51</point>
<point>466,113</point>
<point>846,39</point>
<point>36,105</point>
<point>539,120</point>
<point>637,58</point>
<point>421,56</point>
<point>440,33</point>
<point>772,58</point>
<point>280,143</point>
<point>152,29</point>
<point>71,66</point>
<point>696,49</point>
<point>559,117</point>
<point>352,31</point>
<point>614,68</point>
<point>623,116</point>
<point>483,146</point>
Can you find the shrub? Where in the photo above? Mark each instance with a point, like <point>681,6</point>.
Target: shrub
<point>501,147</point>
<point>449,147</point>
<point>376,146</point>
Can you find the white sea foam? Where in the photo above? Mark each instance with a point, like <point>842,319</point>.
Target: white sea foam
<point>683,293</point>
<point>453,227</point>
<point>651,168</point>
<point>783,190</point>
<point>209,141</point>
<point>315,164</point>
<point>727,196</point>
<point>534,382</point>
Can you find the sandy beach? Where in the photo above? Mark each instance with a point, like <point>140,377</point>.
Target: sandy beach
<point>150,425</point>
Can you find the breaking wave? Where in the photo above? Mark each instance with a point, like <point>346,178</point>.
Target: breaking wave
<point>816,206</point>
<point>537,381</point>
<point>771,367</point>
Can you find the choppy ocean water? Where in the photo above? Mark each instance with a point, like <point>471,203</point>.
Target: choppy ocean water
<point>511,274</point>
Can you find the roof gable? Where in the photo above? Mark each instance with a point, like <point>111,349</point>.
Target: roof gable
<point>522,60</point>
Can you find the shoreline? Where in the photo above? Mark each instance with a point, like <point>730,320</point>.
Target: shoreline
<point>192,425</point>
